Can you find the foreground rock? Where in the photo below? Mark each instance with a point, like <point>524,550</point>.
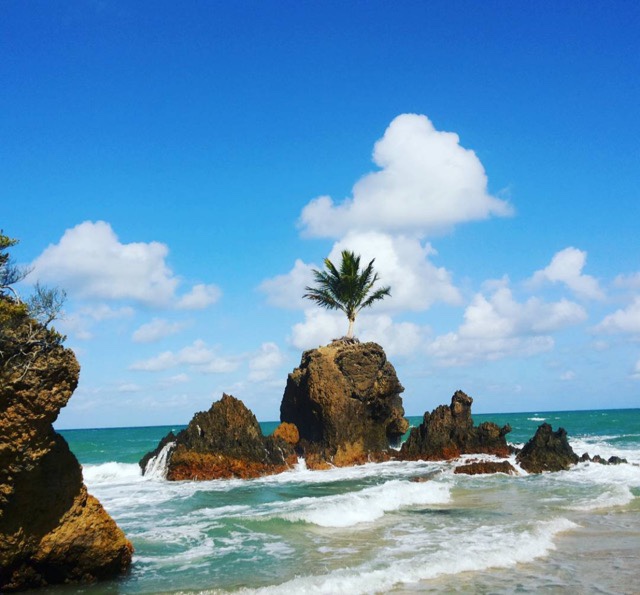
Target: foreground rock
<point>448,432</point>
<point>51,530</point>
<point>224,442</point>
<point>345,401</point>
<point>547,451</point>
<point>485,467</point>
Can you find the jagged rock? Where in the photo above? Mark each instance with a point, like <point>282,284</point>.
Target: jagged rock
<point>448,431</point>
<point>344,398</point>
<point>51,530</point>
<point>224,442</point>
<point>483,467</point>
<point>613,460</point>
<point>547,451</point>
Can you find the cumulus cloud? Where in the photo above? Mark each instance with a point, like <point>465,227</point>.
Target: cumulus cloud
<point>81,322</point>
<point>321,326</point>
<point>636,371</point>
<point>499,326</point>
<point>90,262</point>
<point>427,182</point>
<point>566,267</point>
<point>402,262</point>
<point>286,291</point>
<point>200,297</point>
<point>625,320</point>
<point>264,364</point>
<point>157,329</point>
<point>631,281</point>
<point>196,355</point>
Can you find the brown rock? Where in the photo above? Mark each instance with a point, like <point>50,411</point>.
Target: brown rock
<point>288,432</point>
<point>224,442</point>
<point>51,530</point>
<point>483,467</point>
<point>344,399</point>
<point>448,431</point>
<point>547,451</point>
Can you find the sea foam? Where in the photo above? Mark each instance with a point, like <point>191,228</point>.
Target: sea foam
<point>368,504</point>
<point>475,550</point>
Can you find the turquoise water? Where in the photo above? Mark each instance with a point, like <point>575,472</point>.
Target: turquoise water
<point>370,529</point>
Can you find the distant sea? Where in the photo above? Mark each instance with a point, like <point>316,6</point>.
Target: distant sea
<point>370,529</point>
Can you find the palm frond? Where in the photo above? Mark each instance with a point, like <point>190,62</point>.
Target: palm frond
<point>347,289</point>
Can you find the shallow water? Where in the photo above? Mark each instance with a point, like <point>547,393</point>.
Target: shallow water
<point>370,529</point>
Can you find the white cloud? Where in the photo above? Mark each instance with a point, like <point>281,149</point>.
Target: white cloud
<point>566,267</point>
<point>321,327</point>
<point>265,363</point>
<point>129,388</point>
<point>81,322</point>
<point>402,263</point>
<point>568,375</point>
<point>499,326</point>
<point>197,355</point>
<point>176,379</point>
<point>90,262</point>
<point>631,281</point>
<point>397,338</point>
<point>157,329</point>
<point>427,182</point>
<point>199,297</point>
<point>286,291</point>
<point>626,320</point>
<point>636,371</point>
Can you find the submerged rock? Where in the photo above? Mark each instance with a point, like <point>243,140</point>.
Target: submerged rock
<point>547,451</point>
<point>448,432</point>
<point>51,530</point>
<point>224,442</point>
<point>344,399</point>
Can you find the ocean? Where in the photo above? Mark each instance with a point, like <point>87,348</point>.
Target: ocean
<point>371,529</point>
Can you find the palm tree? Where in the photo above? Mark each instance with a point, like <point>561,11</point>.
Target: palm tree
<point>348,289</point>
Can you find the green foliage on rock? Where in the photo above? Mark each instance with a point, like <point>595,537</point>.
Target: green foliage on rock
<point>24,325</point>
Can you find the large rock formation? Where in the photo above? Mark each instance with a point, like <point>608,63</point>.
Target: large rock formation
<point>344,399</point>
<point>547,451</point>
<point>448,431</point>
<point>51,529</point>
<point>224,442</point>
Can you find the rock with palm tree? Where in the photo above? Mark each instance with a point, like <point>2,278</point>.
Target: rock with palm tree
<point>348,289</point>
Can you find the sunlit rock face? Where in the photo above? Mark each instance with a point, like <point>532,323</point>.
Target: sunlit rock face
<point>344,399</point>
<point>51,530</point>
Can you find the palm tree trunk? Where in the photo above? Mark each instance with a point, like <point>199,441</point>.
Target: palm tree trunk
<point>350,330</point>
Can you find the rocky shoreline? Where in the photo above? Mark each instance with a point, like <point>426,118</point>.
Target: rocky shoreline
<point>342,406</point>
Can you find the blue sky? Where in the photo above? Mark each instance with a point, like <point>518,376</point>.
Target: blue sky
<point>179,168</point>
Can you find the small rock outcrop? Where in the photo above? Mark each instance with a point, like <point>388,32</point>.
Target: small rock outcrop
<point>484,467</point>
<point>51,530</point>
<point>448,432</point>
<point>547,451</point>
<point>344,399</point>
<point>224,442</point>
